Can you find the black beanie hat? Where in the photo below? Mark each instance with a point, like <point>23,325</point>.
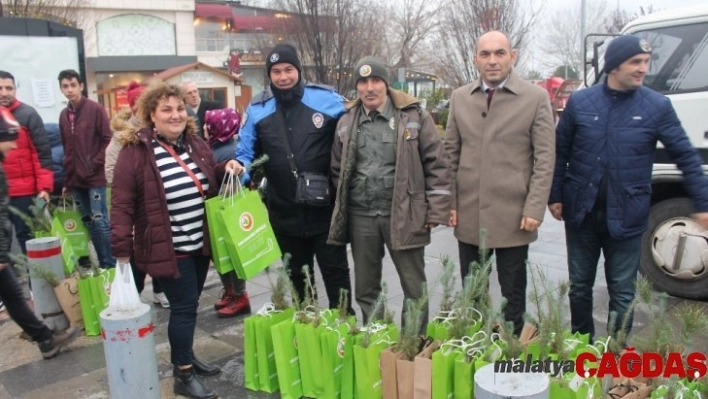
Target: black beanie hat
<point>623,48</point>
<point>283,53</point>
<point>371,66</point>
<point>8,125</point>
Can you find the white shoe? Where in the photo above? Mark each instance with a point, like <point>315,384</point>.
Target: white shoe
<point>2,307</point>
<point>161,299</point>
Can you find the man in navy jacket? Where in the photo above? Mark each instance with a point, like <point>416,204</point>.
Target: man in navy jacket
<point>605,143</point>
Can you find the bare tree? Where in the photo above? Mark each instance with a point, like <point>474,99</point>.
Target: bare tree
<point>562,44</point>
<point>332,35</point>
<point>620,18</point>
<point>66,12</point>
<point>414,21</point>
<point>464,21</point>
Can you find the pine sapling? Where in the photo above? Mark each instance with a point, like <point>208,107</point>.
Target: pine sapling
<point>22,262</point>
<point>409,341</point>
<point>343,306</point>
<point>280,288</point>
<point>378,309</point>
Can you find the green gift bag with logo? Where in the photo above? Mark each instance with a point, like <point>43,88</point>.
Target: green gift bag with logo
<point>69,224</point>
<point>259,358</point>
<point>217,232</point>
<point>267,373</point>
<point>464,373</point>
<point>348,390</point>
<point>333,342</point>
<point>310,352</point>
<point>287,362</point>
<point>68,256</point>
<point>101,290</point>
<point>250,356</point>
<point>250,238</point>
<point>88,313</point>
<point>444,371</point>
<point>367,366</point>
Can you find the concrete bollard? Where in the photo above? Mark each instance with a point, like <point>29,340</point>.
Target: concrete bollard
<point>45,252</point>
<point>491,385</point>
<point>129,347</point>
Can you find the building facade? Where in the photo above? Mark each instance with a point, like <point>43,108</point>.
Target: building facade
<point>133,40</point>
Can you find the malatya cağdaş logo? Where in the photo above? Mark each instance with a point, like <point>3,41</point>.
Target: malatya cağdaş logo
<point>629,364</point>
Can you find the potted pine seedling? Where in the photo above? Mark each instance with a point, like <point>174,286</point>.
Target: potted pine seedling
<point>375,337</point>
<point>397,362</point>
<point>438,329</point>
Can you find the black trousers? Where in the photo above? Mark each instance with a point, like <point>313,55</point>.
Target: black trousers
<point>511,270</point>
<point>14,299</point>
<point>183,294</point>
<point>332,260</point>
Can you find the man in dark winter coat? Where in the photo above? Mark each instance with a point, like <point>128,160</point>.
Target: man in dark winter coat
<point>306,116</point>
<point>606,141</point>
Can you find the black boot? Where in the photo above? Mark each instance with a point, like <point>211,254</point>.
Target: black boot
<point>188,384</point>
<point>204,368</point>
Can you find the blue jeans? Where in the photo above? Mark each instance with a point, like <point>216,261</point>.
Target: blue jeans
<point>622,259</point>
<point>183,294</point>
<point>92,205</point>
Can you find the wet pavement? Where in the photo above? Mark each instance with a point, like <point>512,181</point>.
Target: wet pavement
<point>79,372</point>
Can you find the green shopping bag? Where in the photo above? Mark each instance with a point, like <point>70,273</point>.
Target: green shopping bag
<point>68,256</point>
<point>91,325</point>
<point>333,344</point>
<point>250,238</point>
<point>310,353</point>
<point>267,374</point>
<point>101,290</point>
<point>444,371</point>
<point>250,357</point>
<point>367,372</point>
<point>367,369</point>
<point>464,373</point>
<point>287,363</point>
<point>348,375</point>
<point>559,389</point>
<point>438,330</point>
<point>217,232</point>
<point>71,227</point>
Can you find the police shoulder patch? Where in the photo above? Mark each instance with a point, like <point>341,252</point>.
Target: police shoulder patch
<point>318,119</point>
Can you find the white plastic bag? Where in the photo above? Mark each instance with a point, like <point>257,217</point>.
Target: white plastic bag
<point>124,295</point>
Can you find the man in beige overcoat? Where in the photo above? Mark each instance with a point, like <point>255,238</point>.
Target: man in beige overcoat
<point>501,147</point>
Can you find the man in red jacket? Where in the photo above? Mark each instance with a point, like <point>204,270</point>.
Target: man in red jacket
<point>29,167</point>
<point>85,134</point>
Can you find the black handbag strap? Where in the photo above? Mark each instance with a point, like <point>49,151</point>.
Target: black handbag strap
<point>290,156</point>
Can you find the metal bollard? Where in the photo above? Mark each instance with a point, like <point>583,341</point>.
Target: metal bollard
<point>129,347</point>
<point>491,385</point>
<point>45,252</point>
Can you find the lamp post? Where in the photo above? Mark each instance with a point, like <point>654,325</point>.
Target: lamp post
<point>583,4</point>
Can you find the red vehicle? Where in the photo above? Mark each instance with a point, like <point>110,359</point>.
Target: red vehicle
<point>551,85</point>
<point>563,94</point>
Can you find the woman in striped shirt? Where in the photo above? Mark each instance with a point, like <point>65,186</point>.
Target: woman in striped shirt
<point>163,175</point>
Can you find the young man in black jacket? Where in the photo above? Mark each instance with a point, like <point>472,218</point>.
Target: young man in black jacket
<point>50,343</point>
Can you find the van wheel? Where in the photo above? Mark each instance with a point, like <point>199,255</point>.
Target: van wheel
<point>670,228</point>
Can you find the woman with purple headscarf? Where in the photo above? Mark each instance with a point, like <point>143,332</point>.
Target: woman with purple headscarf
<point>221,130</point>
